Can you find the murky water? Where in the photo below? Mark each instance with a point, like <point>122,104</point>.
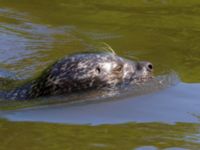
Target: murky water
<point>165,32</point>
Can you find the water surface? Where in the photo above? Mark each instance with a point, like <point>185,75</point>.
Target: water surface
<point>165,32</point>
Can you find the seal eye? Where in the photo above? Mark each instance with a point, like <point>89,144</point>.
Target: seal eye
<point>98,70</point>
<point>118,68</point>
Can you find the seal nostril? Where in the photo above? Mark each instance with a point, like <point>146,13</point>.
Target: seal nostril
<point>150,66</point>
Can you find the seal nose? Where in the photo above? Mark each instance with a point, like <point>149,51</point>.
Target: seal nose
<point>145,65</point>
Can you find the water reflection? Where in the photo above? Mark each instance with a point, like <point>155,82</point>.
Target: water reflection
<point>24,43</point>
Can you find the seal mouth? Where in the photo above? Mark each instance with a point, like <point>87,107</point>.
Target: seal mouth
<point>140,80</point>
<point>144,76</point>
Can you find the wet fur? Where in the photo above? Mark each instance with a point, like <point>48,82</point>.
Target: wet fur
<point>79,72</point>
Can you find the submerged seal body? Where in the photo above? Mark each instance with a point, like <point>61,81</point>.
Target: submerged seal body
<point>82,72</point>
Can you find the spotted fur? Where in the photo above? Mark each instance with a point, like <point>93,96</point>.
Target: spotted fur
<point>82,72</point>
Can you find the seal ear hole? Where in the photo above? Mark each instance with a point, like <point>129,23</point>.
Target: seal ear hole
<point>98,70</point>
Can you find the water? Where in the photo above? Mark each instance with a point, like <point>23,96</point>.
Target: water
<point>36,33</point>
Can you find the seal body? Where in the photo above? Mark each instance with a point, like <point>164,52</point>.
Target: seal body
<point>83,72</point>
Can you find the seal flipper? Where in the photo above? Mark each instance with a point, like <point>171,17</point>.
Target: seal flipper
<point>21,93</point>
<point>3,95</point>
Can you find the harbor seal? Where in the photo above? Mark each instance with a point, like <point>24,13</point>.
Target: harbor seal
<point>80,72</point>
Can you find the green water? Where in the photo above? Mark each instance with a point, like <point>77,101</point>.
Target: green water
<point>125,136</point>
<point>35,33</point>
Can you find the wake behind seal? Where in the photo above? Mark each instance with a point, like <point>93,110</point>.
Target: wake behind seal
<point>81,72</point>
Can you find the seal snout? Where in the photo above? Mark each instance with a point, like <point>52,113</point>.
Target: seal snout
<point>145,66</point>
